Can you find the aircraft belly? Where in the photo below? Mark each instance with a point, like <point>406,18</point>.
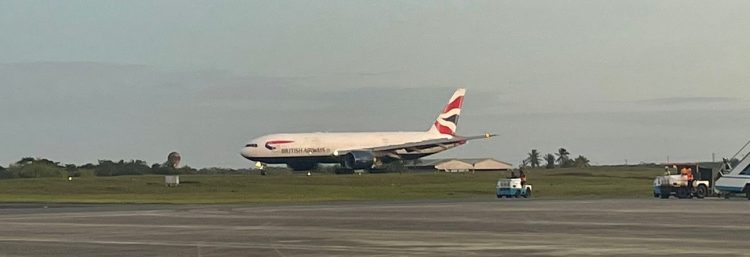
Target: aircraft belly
<point>288,159</point>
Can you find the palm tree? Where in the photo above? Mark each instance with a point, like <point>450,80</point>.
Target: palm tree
<point>534,158</point>
<point>562,157</point>
<point>550,159</point>
<point>582,162</point>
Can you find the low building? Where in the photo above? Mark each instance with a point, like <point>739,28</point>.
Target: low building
<point>461,165</point>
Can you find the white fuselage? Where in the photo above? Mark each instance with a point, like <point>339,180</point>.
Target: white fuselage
<point>276,148</point>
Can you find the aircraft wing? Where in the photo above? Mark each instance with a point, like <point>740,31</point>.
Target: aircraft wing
<point>416,146</point>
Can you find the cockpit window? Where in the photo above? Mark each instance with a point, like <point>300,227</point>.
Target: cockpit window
<point>251,145</point>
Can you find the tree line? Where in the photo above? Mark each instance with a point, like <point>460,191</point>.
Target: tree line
<point>39,167</point>
<point>560,159</point>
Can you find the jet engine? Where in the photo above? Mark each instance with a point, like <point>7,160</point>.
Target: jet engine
<point>359,160</point>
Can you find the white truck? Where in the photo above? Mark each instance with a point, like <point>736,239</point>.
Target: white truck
<point>668,185</point>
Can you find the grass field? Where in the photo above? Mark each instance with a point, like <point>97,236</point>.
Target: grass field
<point>596,182</point>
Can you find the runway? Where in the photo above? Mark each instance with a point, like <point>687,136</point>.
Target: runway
<point>649,227</point>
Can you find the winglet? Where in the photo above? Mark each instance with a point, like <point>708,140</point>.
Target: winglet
<point>486,135</point>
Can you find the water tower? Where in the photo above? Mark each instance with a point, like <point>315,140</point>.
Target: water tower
<point>173,160</point>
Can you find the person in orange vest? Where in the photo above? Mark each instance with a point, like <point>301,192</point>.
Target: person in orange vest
<point>523,177</point>
<point>690,177</point>
<point>683,173</point>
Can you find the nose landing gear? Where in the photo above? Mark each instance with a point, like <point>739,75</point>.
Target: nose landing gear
<point>261,166</point>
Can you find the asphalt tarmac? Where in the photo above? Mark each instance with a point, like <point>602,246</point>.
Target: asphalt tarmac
<point>708,227</point>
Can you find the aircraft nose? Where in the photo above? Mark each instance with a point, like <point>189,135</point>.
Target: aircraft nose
<point>246,152</point>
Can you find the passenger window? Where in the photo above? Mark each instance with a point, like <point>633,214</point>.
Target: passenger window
<point>251,145</point>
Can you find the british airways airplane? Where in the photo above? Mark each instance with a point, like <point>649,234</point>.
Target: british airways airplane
<point>360,150</point>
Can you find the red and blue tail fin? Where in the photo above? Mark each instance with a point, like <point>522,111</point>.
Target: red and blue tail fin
<point>447,121</point>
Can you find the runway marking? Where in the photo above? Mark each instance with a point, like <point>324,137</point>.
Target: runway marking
<point>630,224</point>
<point>564,248</point>
<point>412,232</point>
<point>244,245</point>
<point>82,214</point>
<point>527,222</point>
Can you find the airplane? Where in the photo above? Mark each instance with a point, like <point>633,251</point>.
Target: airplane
<point>360,150</point>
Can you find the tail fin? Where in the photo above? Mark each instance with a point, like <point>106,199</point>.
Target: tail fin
<point>447,121</point>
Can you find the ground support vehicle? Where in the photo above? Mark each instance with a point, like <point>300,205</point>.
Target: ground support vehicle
<point>512,187</point>
<point>736,181</point>
<point>678,185</point>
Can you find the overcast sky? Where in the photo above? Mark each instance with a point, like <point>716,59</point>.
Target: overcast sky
<point>612,80</point>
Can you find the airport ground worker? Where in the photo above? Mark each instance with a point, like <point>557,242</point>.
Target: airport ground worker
<point>690,177</point>
<point>523,177</point>
<point>727,165</point>
<point>683,174</point>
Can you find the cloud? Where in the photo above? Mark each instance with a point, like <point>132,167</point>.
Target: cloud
<point>684,100</point>
<point>81,112</point>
